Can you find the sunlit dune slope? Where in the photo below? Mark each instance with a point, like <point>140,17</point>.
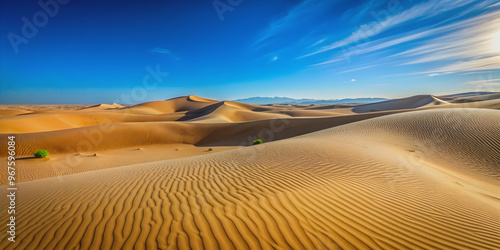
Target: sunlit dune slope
<point>404,103</point>
<point>383,183</point>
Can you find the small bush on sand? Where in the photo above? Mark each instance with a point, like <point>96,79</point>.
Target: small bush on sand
<point>41,154</point>
<point>258,141</point>
<point>210,149</point>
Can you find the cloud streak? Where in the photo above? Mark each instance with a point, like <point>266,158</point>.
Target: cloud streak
<point>164,51</point>
<point>484,83</point>
<point>472,46</point>
<point>420,11</point>
<point>305,10</point>
<point>160,50</point>
<point>469,45</point>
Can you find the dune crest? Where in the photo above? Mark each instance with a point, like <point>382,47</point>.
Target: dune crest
<point>199,99</point>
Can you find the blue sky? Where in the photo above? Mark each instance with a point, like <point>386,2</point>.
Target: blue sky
<point>76,51</point>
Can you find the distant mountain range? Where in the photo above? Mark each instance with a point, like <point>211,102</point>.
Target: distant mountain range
<point>287,100</point>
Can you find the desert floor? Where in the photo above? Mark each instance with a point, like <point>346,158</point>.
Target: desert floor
<point>421,172</point>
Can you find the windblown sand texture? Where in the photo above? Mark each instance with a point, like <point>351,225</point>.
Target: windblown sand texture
<point>419,172</point>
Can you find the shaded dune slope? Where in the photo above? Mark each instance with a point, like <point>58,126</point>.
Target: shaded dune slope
<point>329,189</point>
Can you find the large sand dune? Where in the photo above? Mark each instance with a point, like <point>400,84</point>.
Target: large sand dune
<point>413,175</point>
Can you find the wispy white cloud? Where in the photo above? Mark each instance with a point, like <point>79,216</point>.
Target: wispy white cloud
<point>328,62</point>
<point>417,12</point>
<point>160,50</point>
<point>359,12</point>
<point>360,68</point>
<point>470,38</point>
<point>494,5</point>
<point>475,72</point>
<point>469,45</point>
<point>490,63</point>
<point>373,46</point>
<point>484,83</point>
<point>353,80</point>
<point>319,42</point>
<point>164,51</point>
<point>307,9</point>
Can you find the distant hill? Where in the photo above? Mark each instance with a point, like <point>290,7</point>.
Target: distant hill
<point>287,100</point>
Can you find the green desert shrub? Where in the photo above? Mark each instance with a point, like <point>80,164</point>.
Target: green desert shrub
<point>258,141</point>
<point>41,154</point>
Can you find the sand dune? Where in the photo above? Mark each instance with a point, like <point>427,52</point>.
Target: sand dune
<point>231,112</point>
<point>486,104</point>
<point>45,107</point>
<point>335,106</point>
<point>179,104</point>
<point>413,102</point>
<point>201,110</point>
<point>188,108</point>
<point>477,98</point>
<point>13,112</point>
<point>420,180</point>
<point>467,94</point>
<point>134,134</point>
<point>104,106</point>
<point>43,122</point>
